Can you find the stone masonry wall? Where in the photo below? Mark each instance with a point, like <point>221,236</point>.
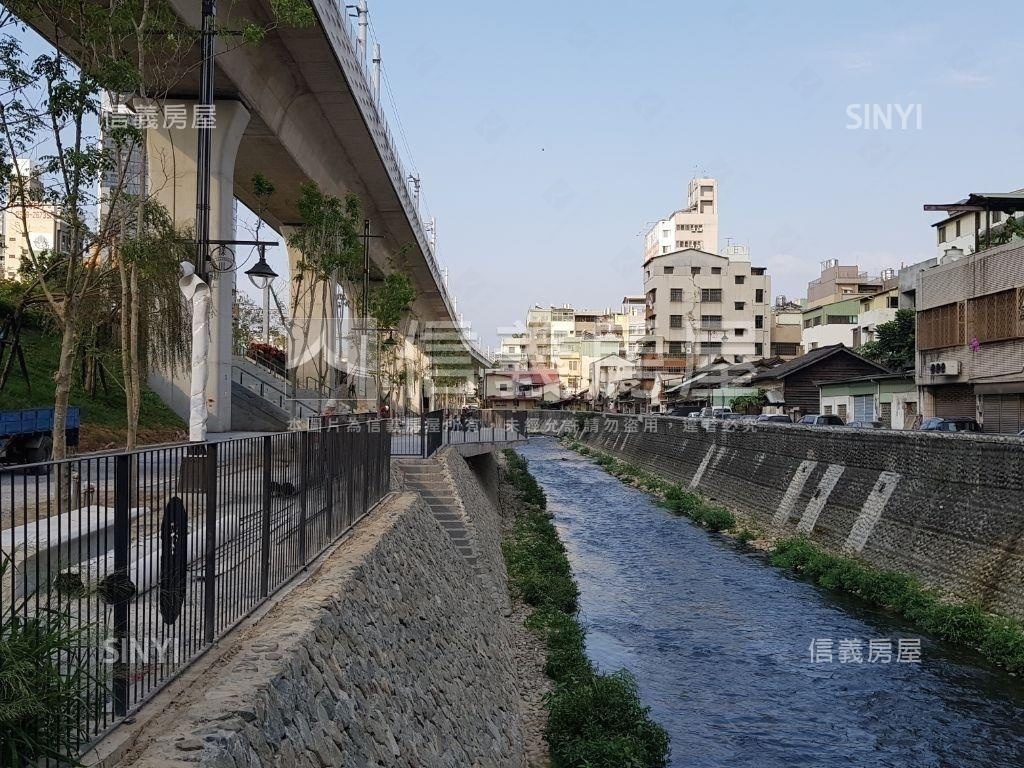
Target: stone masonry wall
<point>393,654</point>
<point>946,508</point>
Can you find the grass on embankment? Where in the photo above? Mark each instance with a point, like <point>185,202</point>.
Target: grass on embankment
<point>594,720</point>
<point>998,638</point>
<point>104,418</point>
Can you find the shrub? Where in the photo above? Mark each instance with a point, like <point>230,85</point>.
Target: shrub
<point>603,723</point>
<point>680,500</point>
<point>46,690</point>
<point>713,518</point>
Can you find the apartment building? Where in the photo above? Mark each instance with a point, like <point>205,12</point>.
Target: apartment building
<point>838,283</point>
<point>787,328</point>
<point>29,228</point>
<point>634,310</point>
<point>693,227</point>
<point>970,338</point>
<point>976,222</point>
<point>701,307</point>
<point>564,340</point>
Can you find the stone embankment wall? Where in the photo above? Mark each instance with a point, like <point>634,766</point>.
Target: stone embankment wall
<point>396,652</point>
<point>948,509</point>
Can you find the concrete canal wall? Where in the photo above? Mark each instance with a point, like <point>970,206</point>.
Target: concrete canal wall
<point>395,652</point>
<point>946,508</point>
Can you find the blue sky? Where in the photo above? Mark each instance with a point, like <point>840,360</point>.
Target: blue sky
<point>546,142</point>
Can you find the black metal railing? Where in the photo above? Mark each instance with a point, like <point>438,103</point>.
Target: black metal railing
<point>423,435</point>
<point>486,426</point>
<point>142,560</point>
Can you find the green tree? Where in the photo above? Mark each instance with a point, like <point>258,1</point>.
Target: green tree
<point>894,342</point>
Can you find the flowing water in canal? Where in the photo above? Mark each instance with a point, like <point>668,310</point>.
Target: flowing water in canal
<point>720,643</point>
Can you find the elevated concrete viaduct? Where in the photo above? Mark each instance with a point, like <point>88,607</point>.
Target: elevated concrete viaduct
<point>296,107</point>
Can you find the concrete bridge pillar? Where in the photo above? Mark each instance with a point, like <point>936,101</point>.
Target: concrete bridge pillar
<point>171,152</point>
<point>316,341</point>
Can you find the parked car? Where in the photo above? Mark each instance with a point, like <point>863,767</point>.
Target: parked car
<point>774,418</point>
<point>822,420</point>
<point>865,424</point>
<point>715,411</point>
<point>939,424</point>
<point>686,411</point>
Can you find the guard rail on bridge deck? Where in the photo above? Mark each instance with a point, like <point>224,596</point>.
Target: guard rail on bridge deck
<point>422,435</point>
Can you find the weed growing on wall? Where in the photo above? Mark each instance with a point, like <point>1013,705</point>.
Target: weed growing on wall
<point>594,720</point>
<point>997,637</point>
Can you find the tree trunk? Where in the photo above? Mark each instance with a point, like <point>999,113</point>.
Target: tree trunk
<point>62,393</point>
<point>133,392</point>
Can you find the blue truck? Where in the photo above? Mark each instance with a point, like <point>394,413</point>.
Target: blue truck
<point>25,435</point>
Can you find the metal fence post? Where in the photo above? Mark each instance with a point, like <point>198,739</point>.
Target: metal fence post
<point>122,533</point>
<point>265,522</point>
<point>303,495</point>
<point>423,433</point>
<point>210,570</point>
<point>328,439</point>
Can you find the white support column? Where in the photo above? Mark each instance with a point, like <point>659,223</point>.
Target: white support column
<point>171,157</point>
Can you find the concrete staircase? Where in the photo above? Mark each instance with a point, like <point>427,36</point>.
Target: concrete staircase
<point>430,479</point>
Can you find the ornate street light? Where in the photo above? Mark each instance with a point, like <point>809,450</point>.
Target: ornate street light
<point>261,274</point>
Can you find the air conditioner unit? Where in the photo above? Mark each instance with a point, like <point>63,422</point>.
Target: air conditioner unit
<point>944,368</point>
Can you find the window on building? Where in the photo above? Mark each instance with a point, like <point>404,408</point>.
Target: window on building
<point>675,294</point>
<point>741,279</point>
<point>759,296</point>
<point>759,321</point>
<point>740,331</point>
<point>716,270</point>
<point>892,302</point>
<point>711,294</point>
<point>675,321</point>
<point>759,349</point>
<point>957,222</point>
<point>841,411</point>
<point>711,347</point>
<point>710,321</point>
<point>705,189</point>
<point>942,235</point>
<point>739,305</point>
<point>669,270</point>
<point>828,410</point>
<point>694,270</point>
<point>675,347</point>
<point>841,319</point>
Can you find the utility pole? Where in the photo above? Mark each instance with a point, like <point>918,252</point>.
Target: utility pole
<point>363,23</point>
<point>414,180</point>
<point>376,75</point>
<point>205,139</point>
<point>266,314</point>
